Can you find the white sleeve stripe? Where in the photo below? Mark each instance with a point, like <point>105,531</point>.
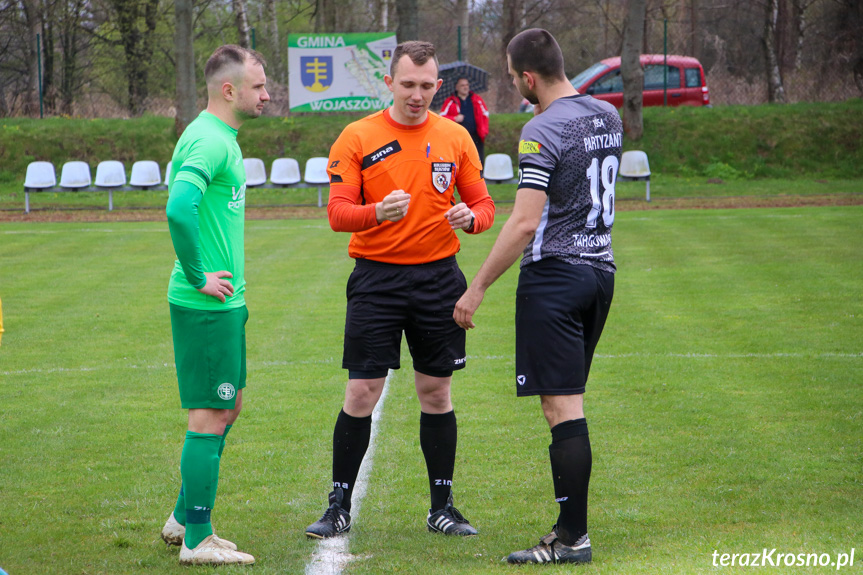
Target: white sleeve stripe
<point>535,176</point>
<point>536,172</point>
<point>532,181</point>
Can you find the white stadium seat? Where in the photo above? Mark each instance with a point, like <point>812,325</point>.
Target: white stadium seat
<point>498,168</point>
<point>316,173</point>
<point>285,172</point>
<point>634,167</point>
<point>145,174</point>
<point>75,175</point>
<point>256,172</point>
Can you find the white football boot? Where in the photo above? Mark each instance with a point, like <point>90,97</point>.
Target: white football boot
<point>173,534</point>
<point>210,551</point>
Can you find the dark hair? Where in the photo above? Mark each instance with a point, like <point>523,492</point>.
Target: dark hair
<point>535,50</point>
<point>228,55</point>
<point>418,51</point>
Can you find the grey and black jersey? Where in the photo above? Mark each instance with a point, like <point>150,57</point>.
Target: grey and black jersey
<point>571,151</point>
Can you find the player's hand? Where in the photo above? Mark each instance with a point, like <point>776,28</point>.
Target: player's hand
<point>460,217</point>
<point>459,118</point>
<point>394,207</point>
<point>466,307</point>
<point>216,286</point>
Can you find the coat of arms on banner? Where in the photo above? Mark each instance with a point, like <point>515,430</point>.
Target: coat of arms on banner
<point>317,72</point>
<point>441,175</point>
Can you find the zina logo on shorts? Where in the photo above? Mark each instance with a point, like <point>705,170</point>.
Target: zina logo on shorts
<point>226,391</point>
<point>521,379</point>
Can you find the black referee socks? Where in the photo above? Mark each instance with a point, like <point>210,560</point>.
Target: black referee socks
<point>350,441</point>
<point>438,439</point>
<point>571,460</point>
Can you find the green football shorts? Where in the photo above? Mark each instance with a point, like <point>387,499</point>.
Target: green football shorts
<point>210,355</point>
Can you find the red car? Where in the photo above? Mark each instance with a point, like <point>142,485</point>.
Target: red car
<point>686,86</point>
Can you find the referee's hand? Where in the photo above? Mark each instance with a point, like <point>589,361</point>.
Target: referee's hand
<point>216,286</point>
<point>466,307</point>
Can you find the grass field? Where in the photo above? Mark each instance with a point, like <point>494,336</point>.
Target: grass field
<point>725,404</point>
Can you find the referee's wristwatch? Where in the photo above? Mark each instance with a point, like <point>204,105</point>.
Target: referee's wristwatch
<point>472,220</point>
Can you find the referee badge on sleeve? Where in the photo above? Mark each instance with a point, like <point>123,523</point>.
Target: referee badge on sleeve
<point>442,175</point>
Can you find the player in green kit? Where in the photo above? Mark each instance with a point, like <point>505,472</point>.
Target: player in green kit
<point>206,210</point>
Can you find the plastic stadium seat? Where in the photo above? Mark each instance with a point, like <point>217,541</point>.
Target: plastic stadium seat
<point>168,173</point>
<point>316,173</point>
<point>256,172</point>
<point>75,175</point>
<point>498,168</point>
<point>634,167</point>
<point>40,176</point>
<point>285,172</point>
<point>145,174</point>
<point>110,174</point>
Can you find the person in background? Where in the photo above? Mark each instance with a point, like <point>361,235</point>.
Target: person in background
<point>469,110</point>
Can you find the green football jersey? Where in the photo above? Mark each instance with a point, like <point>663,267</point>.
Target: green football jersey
<point>208,157</point>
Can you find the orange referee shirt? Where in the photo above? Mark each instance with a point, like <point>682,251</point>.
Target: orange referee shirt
<point>376,155</point>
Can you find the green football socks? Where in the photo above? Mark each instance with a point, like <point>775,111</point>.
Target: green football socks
<point>180,507</point>
<point>199,467</point>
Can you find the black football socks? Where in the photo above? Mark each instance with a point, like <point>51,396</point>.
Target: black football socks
<point>350,441</point>
<point>438,438</point>
<point>571,461</point>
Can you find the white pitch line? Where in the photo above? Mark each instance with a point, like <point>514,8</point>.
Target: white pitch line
<point>331,555</point>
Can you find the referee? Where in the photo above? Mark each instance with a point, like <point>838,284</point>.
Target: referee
<point>206,210</point>
<point>561,226</point>
<point>393,179</point>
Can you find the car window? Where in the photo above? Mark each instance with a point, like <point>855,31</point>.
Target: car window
<point>693,77</point>
<point>588,74</point>
<point>611,82</point>
<point>654,77</point>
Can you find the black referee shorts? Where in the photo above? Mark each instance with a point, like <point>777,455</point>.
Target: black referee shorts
<point>385,300</point>
<point>560,310</point>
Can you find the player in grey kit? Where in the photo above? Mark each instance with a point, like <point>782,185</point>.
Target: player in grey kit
<point>561,223</point>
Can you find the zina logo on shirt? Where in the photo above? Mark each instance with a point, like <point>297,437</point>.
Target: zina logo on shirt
<point>239,197</point>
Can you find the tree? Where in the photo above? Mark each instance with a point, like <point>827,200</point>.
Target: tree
<point>513,14</point>
<point>407,12</point>
<point>136,21</point>
<point>462,16</point>
<point>184,52</point>
<point>775,89</point>
<point>631,71</point>
<point>242,20</point>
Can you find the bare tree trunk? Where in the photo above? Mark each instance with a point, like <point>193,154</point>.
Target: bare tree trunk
<point>184,49</point>
<point>507,96</point>
<point>693,28</point>
<point>48,19</point>
<point>275,56</point>
<point>462,17</point>
<point>242,19</point>
<point>775,89</point>
<point>69,45</point>
<point>631,71</point>
<point>407,13</point>
<point>31,15</point>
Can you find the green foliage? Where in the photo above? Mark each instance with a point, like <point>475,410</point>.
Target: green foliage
<point>723,403</point>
